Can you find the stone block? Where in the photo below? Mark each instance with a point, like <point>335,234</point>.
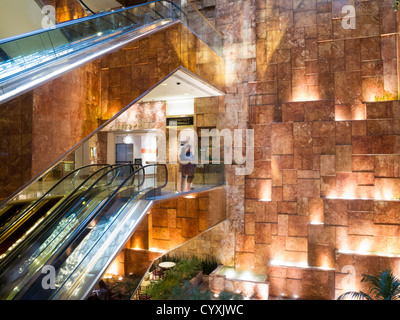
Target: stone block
<point>281,162</point>
<point>269,213</point>
<point>324,145</point>
<point>323,110</point>
<point>259,189</point>
<point>282,138</point>
<point>249,223</point>
<point>328,186</point>
<point>321,256</point>
<point>244,243</point>
<point>287,207</point>
<point>386,212</point>
<point>262,169</point>
<point>277,194</point>
<point>303,158</point>
<point>386,144</point>
<point>309,188</point>
<point>363,145</point>
<point>361,223</point>
<point>335,212</point>
<point>343,132</point>
<point>359,128</point>
<point>323,128</point>
<point>365,178</point>
<point>387,166</point>
<point>292,112</point>
<point>296,244</point>
<point>289,193</point>
<point>302,135</point>
<point>363,163</point>
<point>289,177</point>
<point>263,233</point>
<point>316,210</point>
<point>298,226</point>
<point>328,165</point>
<point>343,158</point>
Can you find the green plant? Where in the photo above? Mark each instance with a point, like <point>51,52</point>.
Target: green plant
<point>122,288</point>
<point>189,292</point>
<point>171,258</point>
<point>383,286</point>
<point>209,264</point>
<point>396,5</point>
<point>184,270</point>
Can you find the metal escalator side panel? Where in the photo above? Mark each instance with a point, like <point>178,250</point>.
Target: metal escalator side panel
<point>124,214</point>
<point>28,223</point>
<point>96,262</point>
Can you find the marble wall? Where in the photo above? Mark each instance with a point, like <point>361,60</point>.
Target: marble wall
<point>66,9</point>
<point>326,151</point>
<point>174,222</point>
<point>16,144</point>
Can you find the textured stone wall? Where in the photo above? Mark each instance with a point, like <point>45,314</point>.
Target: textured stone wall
<point>66,9</point>
<point>173,222</point>
<point>65,110</point>
<point>15,144</point>
<point>326,154</point>
<point>132,71</point>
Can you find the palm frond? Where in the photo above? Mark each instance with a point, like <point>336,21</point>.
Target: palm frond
<point>383,286</point>
<point>354,295</point>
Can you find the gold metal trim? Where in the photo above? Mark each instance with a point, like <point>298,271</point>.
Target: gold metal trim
<point>194,7</point>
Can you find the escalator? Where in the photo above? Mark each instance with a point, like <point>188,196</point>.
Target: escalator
<point>20,216</point>
<point>35,57</point>
<point>90,226</point>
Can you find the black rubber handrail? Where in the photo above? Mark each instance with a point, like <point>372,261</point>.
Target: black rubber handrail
<point>38,201</point>
<point>84,19</point>
<point>76,171</point>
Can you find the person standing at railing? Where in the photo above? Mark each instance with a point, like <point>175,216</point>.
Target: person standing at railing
<point>186,167</point>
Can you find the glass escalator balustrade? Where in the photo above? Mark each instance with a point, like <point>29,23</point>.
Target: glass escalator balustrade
<point>107,216</point>
<point>36,48</point>
<point>21,55</point>
<point>69,219</point>
<point>63,190</point>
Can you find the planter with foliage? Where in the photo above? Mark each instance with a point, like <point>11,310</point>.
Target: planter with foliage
<point>182,282</point>
<point>383,286</point>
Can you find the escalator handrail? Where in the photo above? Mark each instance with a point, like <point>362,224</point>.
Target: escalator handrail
<point>4,262</point>
<point>37,202</point>
<point>61,207</point>
<point>59,182</point>
<point>144,177</point>
<point>83,19</point>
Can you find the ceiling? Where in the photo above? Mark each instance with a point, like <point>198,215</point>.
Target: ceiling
<point>181,86</point>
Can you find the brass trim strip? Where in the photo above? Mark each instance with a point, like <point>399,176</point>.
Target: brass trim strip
<point>194,7</point>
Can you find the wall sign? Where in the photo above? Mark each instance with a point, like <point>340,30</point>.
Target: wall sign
<point>180,121</point>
